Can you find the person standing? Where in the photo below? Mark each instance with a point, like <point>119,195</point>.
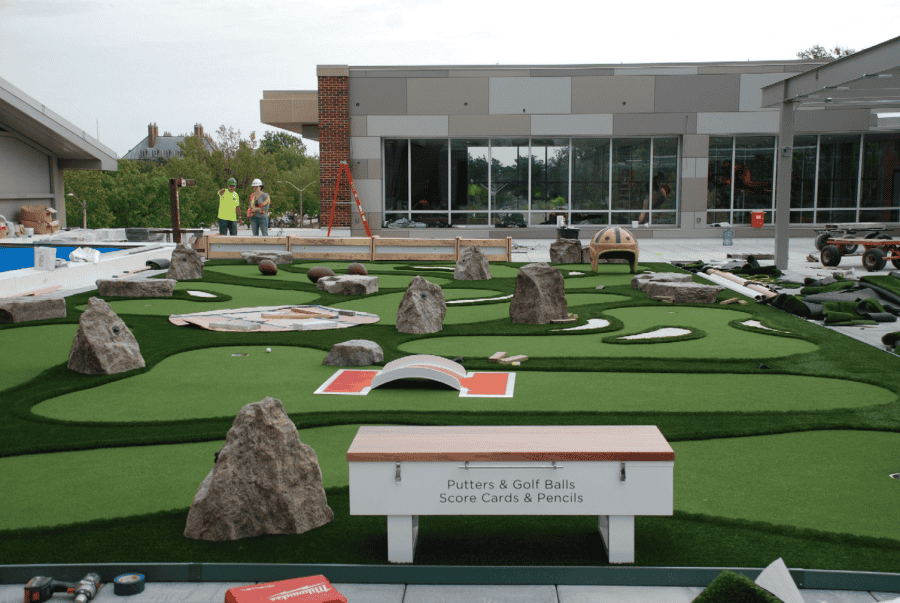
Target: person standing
<point>229,209</point>
<point>259,209</point>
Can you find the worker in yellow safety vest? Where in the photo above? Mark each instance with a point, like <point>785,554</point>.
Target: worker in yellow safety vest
<point>229,209</point>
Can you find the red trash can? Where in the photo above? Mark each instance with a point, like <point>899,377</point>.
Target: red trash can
<point>757,219</point>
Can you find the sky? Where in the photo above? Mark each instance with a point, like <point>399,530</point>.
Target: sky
<point>111,67</point>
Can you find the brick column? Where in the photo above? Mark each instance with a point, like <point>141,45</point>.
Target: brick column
<point>334,143</point>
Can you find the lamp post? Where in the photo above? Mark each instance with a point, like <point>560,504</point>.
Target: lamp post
<point>83,211</point>
<point>301,196</point>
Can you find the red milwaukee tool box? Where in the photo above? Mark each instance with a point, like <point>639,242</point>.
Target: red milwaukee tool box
<point>312,589</point>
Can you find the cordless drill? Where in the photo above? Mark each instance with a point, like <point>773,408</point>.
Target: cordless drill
<point>41,588</point>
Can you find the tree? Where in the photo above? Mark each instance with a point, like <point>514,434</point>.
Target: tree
<point>818,52</point>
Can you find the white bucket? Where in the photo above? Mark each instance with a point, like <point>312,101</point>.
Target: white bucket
<point>44,258</point>
<point>29,232</point>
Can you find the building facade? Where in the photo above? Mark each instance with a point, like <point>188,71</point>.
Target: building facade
<point>36,145</point>
<point>674,148</point>
<point>155,147</point>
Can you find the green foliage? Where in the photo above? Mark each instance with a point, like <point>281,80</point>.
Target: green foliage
<point>137,194</point>
<point>729,587</point>
<point>818,52</point>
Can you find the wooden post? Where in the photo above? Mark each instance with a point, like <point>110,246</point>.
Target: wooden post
<point>174,183</point>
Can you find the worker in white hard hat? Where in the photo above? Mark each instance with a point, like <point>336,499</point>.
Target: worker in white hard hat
<point>258,212</point>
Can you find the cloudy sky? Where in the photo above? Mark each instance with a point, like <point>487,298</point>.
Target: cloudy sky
<point>113,66</point>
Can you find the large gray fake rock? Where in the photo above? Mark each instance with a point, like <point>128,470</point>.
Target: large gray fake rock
<point>566,251</point>
<point>355,352</point>
<point>278,257</point>
<point>185,265</point>
<point>422,308</point>
<point>26,309</point>
<point>472,266</point>
<point>682,293</point>
<point>348,284</point>
<point>145,287</point>
<point>540,295</point>
<point>265,481</point>
<point>639,281</point>
<point>103,345</point>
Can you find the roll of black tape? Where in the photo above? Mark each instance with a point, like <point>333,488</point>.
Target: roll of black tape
<point>128,584</point>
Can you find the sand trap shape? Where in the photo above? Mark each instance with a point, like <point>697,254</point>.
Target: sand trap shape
<point>592,323</point>
<point>275,318</point>
<point>659,333</point>
<point>480,299</point>
<point>201,294</point>
<point>759,325</point>
<point>434,267</point>
<point>351,382</point>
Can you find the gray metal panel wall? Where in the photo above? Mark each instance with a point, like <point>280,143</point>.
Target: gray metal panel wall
<point>23,169</point>
<point>613,94</point>
<point>697,93</point>
<point>377,96</point>
<point>650,124</point>
<point>482,126</point>
<point>525,95</point>
<point>447,96</point>
<point>832,120</point>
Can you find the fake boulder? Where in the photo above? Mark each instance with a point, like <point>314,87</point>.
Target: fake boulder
<point>277,257</point>
<point>355,352</point>
<point>268,267</point>
<point>317,272</point>
<point>539,296</point>
<point>566,251</point>
<point>472,266</point>
<point>422,308</point>
<point>265,481</point>
<point>145,287</point>
<point>25,309</point>
<point>103,345</point>
<point>185,265</point>
<point>348,284</point>
<point>682,293</point>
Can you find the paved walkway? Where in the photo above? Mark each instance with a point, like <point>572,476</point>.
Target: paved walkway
<point>214,592</point>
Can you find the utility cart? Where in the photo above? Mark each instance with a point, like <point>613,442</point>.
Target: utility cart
<point>876,255</point>
<point>866,230</point>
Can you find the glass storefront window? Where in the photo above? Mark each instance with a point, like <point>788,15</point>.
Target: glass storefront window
<point>659,206</point>
<point>590,177</point>
<point>838,174</point>
<point>754,171</point>
<point>721,151</point>
<point>509,178</point>
<point>631,175</point>
<point>469,175</point>
<point>803,176</point>
<point>428,176</point>
<point>549,178</point>
<point>396,176</point>
<point>881,177</point>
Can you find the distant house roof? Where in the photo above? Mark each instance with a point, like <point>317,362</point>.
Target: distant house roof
<point>155,147</point>
<point>26,117</point>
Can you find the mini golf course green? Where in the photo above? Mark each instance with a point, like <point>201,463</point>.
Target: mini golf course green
<point>790,460</point>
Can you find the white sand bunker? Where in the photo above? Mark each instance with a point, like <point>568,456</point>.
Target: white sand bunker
<point>275,318</point>
<point>201,294</point>
<point>592,323</point>
<point>759,325</point>
<point>469,301</point>
<point>660,333</point>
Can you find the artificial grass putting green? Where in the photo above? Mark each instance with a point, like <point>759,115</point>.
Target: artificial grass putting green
<point>823,382</point>
<point>37,349</point>
<point>385,281</point>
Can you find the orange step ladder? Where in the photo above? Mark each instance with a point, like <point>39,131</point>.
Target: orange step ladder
<point>346,168</point>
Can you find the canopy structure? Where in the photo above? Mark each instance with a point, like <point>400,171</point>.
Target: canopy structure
<point>867,79</point>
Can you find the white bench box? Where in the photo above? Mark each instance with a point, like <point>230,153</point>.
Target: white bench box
<point>614,472</point>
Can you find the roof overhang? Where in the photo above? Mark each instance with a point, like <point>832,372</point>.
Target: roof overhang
<point>292,110</point>
<point>40,127</point>
<point>869,79</point>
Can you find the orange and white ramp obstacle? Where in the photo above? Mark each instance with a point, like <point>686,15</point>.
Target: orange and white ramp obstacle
<point>350,382</point>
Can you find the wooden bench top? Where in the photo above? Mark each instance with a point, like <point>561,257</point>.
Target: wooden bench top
<point>510,443</point>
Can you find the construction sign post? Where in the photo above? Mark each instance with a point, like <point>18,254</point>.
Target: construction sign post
<point>345,168</point>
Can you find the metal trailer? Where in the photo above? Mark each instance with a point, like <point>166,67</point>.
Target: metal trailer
<point>867,230</point>
<point>876,255</point>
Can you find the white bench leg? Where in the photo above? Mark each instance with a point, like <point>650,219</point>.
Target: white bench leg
<point>617,532</point>
<point>402,533</point>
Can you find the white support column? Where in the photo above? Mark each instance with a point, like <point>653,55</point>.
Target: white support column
<point>402,533</point>
<point>617,532</point>
<point>785,160</point>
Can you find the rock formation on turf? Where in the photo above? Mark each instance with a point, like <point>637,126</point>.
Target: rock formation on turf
<point>26,309</point>
<point>566,251</point>
<point>317,272</point>
<point>145,287</point>
<point>265,481</point>
<point>185,265</point>
<point>348,284</point>
<point>682,293</point>
<point>277,257</point>
<point>472,266</point>
<point>539,296</point>
<point>355,352</point>
<point>422,308</point>
<point>103,345</point>
<point>358,269</point>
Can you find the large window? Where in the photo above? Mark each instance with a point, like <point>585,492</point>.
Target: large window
<point>740,176</point>
<point>522,181</point>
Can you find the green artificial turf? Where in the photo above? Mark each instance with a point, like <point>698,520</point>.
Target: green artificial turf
<point>797,479</point>
<point>702,393</point>
<point>729,587</point>
<point>160,394</point>
<point>133,480</point>
<point>721,341</point>
<point>36,350</point>
<point>385,281</point>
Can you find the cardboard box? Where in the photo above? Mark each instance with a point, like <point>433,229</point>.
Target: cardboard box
<point>312,589</point>
<point>41,227</point>
<point>36,213</point>
<point>3,233</point>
